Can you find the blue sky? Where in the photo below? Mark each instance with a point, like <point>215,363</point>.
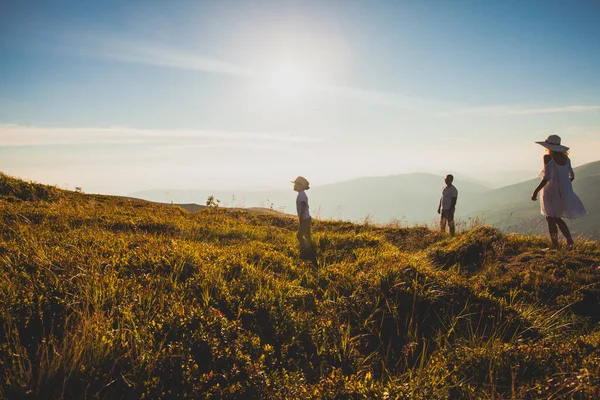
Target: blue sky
<point>122,96</point>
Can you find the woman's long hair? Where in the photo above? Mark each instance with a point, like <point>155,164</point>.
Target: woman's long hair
<point>560,156</point>
<point>558,153</point>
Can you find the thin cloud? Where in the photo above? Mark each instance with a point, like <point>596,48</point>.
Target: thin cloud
<point>374,97</point>
<point>583,131</point>
<point>504,111</point>
<point>130,51</point>
<point>232,145</point>
<point>174,58</point>
<point>19,135</point>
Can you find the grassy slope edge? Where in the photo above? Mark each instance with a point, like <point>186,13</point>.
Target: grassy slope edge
<point>109,297</point>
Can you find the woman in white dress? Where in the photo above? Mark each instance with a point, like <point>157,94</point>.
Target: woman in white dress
<point>558,200</point>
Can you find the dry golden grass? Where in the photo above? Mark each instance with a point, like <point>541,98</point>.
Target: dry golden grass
<point>116,298</point>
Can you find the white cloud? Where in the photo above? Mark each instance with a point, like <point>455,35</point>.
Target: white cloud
<point>504,111</point>
<point>166,56</point>
<point>148,53</point>
<point>110,47</point>
<point>583,131</point>
<point>374,97</point>
<point>19,135</point>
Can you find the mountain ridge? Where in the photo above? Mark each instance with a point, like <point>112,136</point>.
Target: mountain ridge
<point>413,198</point>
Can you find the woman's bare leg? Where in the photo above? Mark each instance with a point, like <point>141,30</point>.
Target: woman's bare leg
<point>562,225</point>
<point>553,229</point>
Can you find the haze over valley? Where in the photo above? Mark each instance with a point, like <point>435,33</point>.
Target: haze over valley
<point>411,199</point>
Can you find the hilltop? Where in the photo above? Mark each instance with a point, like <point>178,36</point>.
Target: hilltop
<point>413,198</point>
<point>119,298</point>
<point>408,197</point>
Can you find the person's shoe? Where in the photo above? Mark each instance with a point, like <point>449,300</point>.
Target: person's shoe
<point>570,246</point>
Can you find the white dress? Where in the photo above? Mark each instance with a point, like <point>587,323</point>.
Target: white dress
<point>558,198</point>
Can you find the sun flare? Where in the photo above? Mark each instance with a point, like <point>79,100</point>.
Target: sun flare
<point>288,79</point>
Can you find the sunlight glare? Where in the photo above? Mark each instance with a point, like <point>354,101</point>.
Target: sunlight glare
<point>288,79</point>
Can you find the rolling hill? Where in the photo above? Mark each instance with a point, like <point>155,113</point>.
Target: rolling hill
<point>108,297</point>
<point>413,199</point>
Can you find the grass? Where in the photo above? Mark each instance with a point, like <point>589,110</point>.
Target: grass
<point>115,298</point>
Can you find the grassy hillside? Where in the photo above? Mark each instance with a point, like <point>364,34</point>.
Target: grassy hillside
<point>116,298</point>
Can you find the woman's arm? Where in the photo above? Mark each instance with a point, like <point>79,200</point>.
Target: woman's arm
<point>547,158</point>
<point>571,172</point>
<point>547,175</point>
<point>537,189</point>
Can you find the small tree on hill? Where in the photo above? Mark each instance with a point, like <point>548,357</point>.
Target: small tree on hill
<point>212,202</point>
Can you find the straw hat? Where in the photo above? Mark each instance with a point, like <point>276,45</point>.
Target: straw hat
<point>552,142</point>
<point>301,181</point>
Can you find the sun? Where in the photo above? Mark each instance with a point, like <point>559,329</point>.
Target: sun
<point>288,79</point>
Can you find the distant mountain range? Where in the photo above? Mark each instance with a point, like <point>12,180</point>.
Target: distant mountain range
<point>411,199</point>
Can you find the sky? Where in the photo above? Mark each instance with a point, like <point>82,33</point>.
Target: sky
<point>120,96</point>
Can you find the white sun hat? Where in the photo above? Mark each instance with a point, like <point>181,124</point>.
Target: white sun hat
<point>552,143</point>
